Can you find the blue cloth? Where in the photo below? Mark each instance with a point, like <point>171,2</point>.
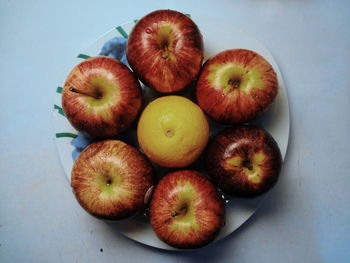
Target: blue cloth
<point>115,48</point>
<point>80,143</point>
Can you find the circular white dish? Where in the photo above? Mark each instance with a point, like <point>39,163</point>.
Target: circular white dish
<point>217,36</point>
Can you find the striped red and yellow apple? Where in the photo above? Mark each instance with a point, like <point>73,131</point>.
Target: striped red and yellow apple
<point>236,86</point>
<point>110,179</point>
<point>101,97</point>
<point>165,50</point>
<point>186,209</point>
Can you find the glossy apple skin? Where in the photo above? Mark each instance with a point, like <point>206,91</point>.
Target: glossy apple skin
<point>204,211</point>
<point>228,104</point>
<point>120,98</point>
<point>110,179</point>
<point>146,45</point>
<point>229,152</point>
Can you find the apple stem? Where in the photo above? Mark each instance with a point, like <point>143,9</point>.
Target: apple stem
<point>165,53</point>
<point>234,83</point>
<point>174,213</point>
<point>86,93</point>
<point>181,211</point>
<point>248,165</point>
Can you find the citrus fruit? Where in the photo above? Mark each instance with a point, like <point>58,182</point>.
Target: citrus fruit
<point>172,131</point>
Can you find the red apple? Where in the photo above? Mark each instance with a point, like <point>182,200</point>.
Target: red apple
<point>236,86</point>
<point>165,50</point>
<point>244,161</point>
<point>110,179</point>
<point>101,97</point>
<point>186,210</point>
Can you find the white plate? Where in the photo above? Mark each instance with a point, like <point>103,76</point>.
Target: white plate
<point>217,37</point>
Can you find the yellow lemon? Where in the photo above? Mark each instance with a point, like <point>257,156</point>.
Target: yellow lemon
<point>172,131</point>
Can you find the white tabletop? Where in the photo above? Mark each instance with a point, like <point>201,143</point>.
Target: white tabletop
<point>306,216</point>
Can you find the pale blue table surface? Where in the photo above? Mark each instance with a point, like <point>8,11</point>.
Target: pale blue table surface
<point>305,218</point>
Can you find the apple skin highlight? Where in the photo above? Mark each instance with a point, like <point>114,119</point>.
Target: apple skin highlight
<point>186,210</point>
<point>243,161</point>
